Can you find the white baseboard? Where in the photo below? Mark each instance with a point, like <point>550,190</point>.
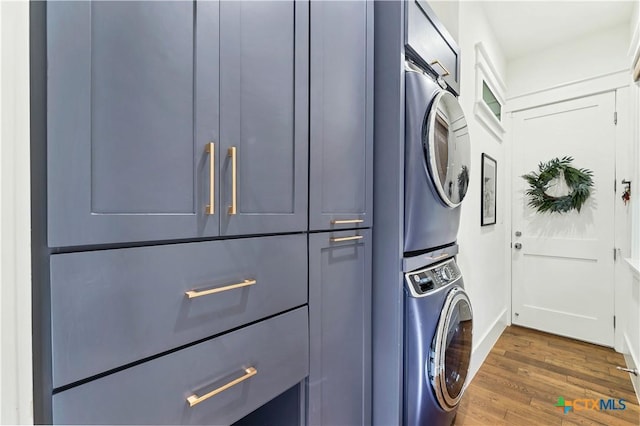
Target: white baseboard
<point>483,345</point>
<point>631,359</point>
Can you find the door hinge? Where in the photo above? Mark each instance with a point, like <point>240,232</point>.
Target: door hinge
<point>615,256</point>
<point>614,322</point>
<point>615,118</point>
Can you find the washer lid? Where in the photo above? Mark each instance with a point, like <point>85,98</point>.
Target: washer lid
<point>445,141</point>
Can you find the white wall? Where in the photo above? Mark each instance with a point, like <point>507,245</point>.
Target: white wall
<point>569,61</point>
<point>448,12</point>
<point>483,250</point>
<point>632,332</point>
<point>634,50</point>
<point>16,396</point>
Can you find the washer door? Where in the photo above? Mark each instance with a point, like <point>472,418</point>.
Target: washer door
<point>451,349</point>
<point>445,141</point>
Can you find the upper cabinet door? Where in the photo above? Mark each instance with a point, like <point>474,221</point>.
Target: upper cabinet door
<point>428,43</point>
<point>263,116</point>
<point>341,109</point>
<point>130,115</point>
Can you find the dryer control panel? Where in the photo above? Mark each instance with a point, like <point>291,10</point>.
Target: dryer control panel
<point>424,281</point>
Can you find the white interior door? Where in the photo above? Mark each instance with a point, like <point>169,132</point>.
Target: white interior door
<point>563,273</point>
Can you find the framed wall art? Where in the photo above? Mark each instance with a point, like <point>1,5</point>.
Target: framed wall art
<point>488,191</point>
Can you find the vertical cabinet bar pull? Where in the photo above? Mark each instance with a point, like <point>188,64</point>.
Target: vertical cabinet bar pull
<point>233,153</point>
<point>195,399</point>
<point>346,221</point>
<point>211,149</point>
<point>340,239</point>
<point>193,293</point>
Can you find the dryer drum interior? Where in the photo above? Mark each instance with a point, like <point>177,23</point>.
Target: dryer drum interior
<point>446,146</point>
<point>451,349</point>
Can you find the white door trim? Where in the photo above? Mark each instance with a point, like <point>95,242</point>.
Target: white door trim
<point>623,213</point>
<point>567,91</point>
<point>16,389</point>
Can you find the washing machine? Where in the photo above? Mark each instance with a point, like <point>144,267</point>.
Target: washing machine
<point>437,162</point>
<point>437,343</point>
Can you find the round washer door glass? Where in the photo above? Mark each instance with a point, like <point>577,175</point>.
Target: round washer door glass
<point>452,349</point>
<point>445,140</point>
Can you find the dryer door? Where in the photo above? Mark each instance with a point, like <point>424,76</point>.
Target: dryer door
<point>445,140</point>
<point>451,349</point>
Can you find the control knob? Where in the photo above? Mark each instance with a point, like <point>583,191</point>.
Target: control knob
<point>446,273</point>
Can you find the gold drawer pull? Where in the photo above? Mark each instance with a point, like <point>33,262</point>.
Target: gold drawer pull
<point>446,71</point>
<point>195,399</point>
<point>193,293</point>
<point>346,221</point>
<point>233,153</point>
<point>340,239</point>
<point>211,149</point>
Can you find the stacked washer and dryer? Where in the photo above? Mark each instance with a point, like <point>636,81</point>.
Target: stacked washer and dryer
<point>422,317</point>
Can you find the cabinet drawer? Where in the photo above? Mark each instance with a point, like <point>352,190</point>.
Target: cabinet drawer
<point>113,307</point>
<point>427,37</point>
<point>156,392</point>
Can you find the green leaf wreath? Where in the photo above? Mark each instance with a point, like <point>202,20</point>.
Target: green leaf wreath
<point>580,181</point>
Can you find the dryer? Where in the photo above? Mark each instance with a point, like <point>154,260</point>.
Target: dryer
<point>437,162</point>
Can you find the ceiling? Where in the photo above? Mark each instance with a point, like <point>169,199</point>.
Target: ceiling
<point>527,26</point>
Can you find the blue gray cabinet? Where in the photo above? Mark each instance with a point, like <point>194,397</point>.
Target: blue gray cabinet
<point>215,382</point>
<point>264,116</point>
<point>133,303</point>
<point>428,43</point>
<point>145,101</point>
<point>341,111</point>
<point>339,384</point>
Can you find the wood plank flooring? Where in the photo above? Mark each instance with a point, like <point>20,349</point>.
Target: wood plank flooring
<point>527,371</point>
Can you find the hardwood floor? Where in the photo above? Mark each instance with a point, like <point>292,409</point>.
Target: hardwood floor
<point>527,371</point>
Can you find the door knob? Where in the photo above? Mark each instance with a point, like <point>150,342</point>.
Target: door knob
<point>517,246</point>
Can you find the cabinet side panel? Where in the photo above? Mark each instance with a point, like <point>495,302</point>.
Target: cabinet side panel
<point>40,292</point>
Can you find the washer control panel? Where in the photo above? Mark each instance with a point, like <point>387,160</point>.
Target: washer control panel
<point>430,279</point>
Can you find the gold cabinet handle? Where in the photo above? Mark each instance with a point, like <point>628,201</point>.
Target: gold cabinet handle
<point>211,149</point>
<point>442,256</point>
<point>446,71</point>
<point>340,239</point>
<point>346,221</point>
<point>233,153</point>
<point>193,293</point>
<point>195,399</point>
